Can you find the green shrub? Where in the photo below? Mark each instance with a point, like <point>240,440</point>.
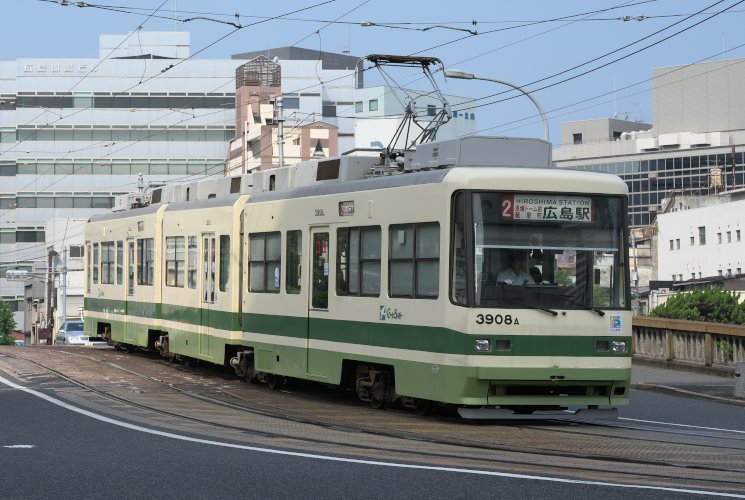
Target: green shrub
<point>708,304</point>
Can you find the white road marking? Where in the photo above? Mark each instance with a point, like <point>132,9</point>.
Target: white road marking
<point>509,475</point>
<point>16,446</point>
<point>735,431</point>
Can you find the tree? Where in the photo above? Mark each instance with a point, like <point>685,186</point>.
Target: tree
<point>708,304</point>
<point>7,324</point>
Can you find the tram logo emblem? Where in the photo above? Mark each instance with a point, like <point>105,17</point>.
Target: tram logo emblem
<point>388,313</point>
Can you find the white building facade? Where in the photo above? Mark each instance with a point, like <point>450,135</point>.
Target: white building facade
<point>701,238</point>
<point>75,133</point>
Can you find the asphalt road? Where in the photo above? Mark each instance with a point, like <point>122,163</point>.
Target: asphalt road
<point>47,451</point>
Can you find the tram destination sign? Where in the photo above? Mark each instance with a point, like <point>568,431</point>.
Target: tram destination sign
<point>547,207</point>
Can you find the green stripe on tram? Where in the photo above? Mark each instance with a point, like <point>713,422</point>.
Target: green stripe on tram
<point>396,336</point>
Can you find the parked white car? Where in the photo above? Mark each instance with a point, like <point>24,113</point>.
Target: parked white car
<point>71,333</point>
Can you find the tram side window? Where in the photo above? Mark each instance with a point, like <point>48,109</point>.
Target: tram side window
<point>175,261</point>
<point>264,262</point>
<point>191,275</point>
<point>358,261</point>
<point>458,249</point>
<point>145,261</point>
<point>95,263</point>
<point>224,278</point>
<point>414,260</point>
<point>107,263</point>
<point>119,261</point>
<point>294,259</point>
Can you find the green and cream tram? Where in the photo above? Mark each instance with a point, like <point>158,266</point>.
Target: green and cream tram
<point>470,273</point>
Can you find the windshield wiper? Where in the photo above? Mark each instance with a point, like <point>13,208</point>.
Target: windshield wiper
<point>585,307</point>
<point>532,306</point>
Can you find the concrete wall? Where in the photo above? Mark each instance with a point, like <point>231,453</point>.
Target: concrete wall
<point>699,98</point>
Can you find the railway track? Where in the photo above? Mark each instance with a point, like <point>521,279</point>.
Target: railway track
<point>206,401</point>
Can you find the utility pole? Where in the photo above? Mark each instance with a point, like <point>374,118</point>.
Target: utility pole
<point>64,285</point>
<point>634,278</point>
<point>50,283</point>
<point>280,118</point>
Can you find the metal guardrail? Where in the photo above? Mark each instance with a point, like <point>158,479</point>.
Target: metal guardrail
<point>692,343</point>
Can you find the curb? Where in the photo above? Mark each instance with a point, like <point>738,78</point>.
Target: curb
<point>675,391</point>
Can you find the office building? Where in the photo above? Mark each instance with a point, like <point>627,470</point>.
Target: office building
<point>695,145</point>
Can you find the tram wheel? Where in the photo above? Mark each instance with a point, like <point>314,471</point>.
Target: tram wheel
<point>424,407</point>
<point>274,382</point>
<point>377,403</point>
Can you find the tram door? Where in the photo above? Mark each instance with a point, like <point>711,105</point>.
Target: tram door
<point>318,309</point>
<point>209,271</point>
<point>129,333</point>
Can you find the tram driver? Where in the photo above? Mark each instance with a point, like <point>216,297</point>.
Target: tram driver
<point>516,274</point>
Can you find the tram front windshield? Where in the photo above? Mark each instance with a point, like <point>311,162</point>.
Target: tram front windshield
<point>546,250</point>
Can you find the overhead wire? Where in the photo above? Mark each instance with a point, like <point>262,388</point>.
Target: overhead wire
<point>170,67</point>
<point>635,84</point>
<point>626,56</point>
<point>657,42</point>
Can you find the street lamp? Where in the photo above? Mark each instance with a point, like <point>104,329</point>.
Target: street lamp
<point>464,75</point>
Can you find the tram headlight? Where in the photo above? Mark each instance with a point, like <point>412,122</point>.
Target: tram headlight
<point>619,346</point>
<point>482,345</point>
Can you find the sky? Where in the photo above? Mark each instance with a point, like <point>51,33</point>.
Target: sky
<point>531,44</point>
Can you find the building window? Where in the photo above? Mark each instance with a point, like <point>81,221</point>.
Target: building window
<point>737,235</point>
<point>414,260</point>
<point>455,114</point>
<point>677,243</point>
<point>75,251</point>
<point>616,135</point>
<point>373,105</point>
<point>672,245</point>
<point>291,102</point>
<point>29,236</point>
<point>729,236</point>
<point>358,261</point>
<point>720,273</point>
<point>693,276</point>
<point>702,235</point>
<point>739,270</point>
<point>473,117</point>
<point>729,273</point>
<point>431,110</point>
<point>692,241</point>
<point>358,107</point>
<point>577,138</point>
<point>719,238</point>
<point>680,277</point>
<point>296,141</point>
<point>175,261</point>
<point>265,254</point>
<point>328,110</point>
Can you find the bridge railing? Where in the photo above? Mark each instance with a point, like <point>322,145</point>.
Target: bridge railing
<point>697,343</point>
